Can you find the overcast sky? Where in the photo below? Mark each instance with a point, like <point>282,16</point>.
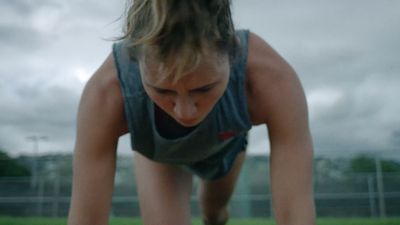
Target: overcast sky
<point>347,55</point>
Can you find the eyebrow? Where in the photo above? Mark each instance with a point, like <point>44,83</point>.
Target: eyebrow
<point>210,85</point>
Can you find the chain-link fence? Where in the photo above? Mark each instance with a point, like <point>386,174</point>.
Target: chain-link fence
<point>336,194</point>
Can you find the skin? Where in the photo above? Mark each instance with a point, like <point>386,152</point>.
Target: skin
<point>275,98</point>
<point>190,99</point>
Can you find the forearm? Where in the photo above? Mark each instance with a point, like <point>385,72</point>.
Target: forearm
<point>92,192</point>
<point>292,187</point>
<point>299,211</point>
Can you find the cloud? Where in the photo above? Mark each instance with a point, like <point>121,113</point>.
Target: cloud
<point>363,118</point>
<point>345,53</point>
<point>49,49</point>
<point>13,37</point>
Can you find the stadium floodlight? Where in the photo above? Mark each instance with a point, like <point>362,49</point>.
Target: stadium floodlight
<point>34,165</point>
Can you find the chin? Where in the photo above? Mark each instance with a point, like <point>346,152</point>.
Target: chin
<point>189,123</point>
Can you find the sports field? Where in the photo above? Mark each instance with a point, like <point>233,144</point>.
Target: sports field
<point>129,221</point>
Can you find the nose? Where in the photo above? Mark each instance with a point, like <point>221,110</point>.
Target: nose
<point>185,108</point>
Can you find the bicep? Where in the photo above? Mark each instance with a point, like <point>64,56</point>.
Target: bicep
<point>100,119</point>
<point>95,136</point>
<point>100,113</point>
<point>287,114</point>
<point>288,129</point>
<point>278,100</point>
<point>275,93</point>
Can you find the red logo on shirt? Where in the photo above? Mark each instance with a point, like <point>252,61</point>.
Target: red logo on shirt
<point>225,135</point>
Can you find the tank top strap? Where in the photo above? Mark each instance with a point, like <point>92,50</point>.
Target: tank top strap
<point>135,99</point>
<point>240,61</point>
<point>128,69</point>
<point>233,107</point>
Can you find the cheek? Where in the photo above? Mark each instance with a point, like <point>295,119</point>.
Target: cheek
<point>219,91</point>
<point>207,102</point>
<point>163,102</point>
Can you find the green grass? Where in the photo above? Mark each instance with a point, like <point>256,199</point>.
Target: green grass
<point>129,221</point>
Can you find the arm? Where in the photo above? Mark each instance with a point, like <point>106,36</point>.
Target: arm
<point>291,163</point>
<point>276,98</point>
<point>100,123</point>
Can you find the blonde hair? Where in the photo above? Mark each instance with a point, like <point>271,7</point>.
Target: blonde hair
<point>179,33</point>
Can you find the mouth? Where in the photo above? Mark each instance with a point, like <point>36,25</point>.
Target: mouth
<point>189,123</point>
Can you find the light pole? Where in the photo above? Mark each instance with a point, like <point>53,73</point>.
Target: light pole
<point>34,166</point>
<point>381,193</point>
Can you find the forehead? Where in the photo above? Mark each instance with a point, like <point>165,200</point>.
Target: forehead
<point>208,70</point>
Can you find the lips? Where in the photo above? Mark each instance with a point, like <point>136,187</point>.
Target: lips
<point>188,123</point>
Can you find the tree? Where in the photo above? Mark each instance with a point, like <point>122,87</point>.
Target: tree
<point>9,167</point>
<point>366,164</point>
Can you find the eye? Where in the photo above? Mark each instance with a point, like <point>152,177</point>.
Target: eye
<point>203,90</point>
<point>164,92</point>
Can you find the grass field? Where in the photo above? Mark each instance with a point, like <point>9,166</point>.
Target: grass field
<point>129,221</point>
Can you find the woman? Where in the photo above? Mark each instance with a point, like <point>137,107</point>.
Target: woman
<point>188,87</point>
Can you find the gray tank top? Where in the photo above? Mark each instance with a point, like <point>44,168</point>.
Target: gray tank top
<point>223,128</point>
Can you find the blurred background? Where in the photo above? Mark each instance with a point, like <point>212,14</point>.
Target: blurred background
<point>345,53</point>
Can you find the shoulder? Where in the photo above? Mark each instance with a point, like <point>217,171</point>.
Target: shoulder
<point>102,94</point>
<point>104,85</point>
<point>273,88</point>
